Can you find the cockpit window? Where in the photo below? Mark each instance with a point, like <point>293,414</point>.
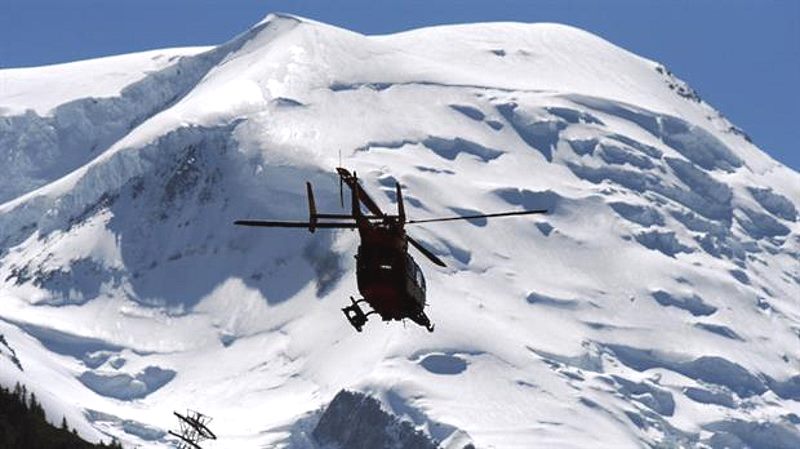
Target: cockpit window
<point>416,273</point>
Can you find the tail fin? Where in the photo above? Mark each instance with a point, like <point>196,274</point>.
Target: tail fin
<point>312,209</point>
<point>354,201</point>
<point>401,209</point>
<point>341,181</point>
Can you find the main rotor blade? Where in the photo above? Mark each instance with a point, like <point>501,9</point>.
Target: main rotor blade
<point>363,196</point>
<point>470,217</point>
<point>425,251</point>
<point>293,224</point>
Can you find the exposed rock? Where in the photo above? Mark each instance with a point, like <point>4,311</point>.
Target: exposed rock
<point>356,421</point>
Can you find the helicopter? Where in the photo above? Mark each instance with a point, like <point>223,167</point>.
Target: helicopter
<point>388,278</point>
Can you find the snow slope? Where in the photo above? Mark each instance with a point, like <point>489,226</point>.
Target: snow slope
<point>655,306</point>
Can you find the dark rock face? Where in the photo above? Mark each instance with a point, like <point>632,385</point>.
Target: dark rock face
<point>8,351</point>
<point>356,421</point>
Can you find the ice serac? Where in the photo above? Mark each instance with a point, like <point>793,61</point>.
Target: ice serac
<point>654,305</point>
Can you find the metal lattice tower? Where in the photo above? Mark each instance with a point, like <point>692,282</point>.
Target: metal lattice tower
<point>193,430</point>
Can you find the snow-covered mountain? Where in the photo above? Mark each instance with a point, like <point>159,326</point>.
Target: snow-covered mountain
<point>657,305</point>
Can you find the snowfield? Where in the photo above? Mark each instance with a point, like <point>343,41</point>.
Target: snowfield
<point>656,305</point>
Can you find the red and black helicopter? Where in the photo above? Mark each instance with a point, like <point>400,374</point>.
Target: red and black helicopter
<point>389,279</point>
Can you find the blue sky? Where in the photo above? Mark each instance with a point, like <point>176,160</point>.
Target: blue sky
<point>742,56</point>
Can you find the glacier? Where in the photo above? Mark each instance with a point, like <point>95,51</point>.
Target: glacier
<point>656,305</point>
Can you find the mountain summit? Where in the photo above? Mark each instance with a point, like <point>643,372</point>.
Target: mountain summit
<point>656,305</point>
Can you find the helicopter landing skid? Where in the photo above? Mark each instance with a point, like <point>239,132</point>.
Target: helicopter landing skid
<point>355,315</point>
<point>424,321</point>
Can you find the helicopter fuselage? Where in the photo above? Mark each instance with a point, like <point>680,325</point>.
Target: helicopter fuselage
<point>389,279</point>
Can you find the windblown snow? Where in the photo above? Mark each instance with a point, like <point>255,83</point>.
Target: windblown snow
<point>656,305</point>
